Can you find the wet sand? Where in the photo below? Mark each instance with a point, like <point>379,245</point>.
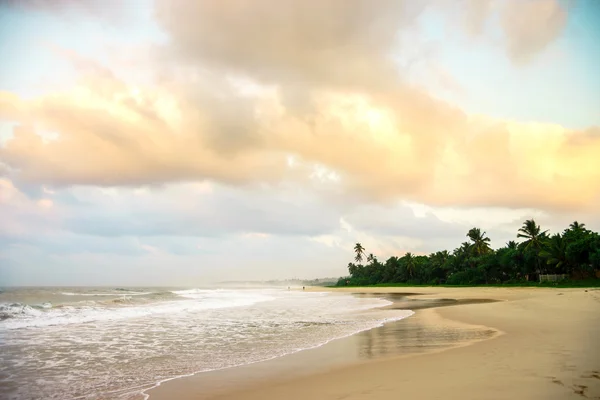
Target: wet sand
<point>543,344</point>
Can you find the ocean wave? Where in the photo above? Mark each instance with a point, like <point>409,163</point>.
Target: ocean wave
<point>44,305</point>
<point>165,335</point>
<point>220,298</point>
<point>15,310</point>
<point>105,294</point>
<point>124,307</point>
<point>163,294</point>
<point>81,303</point>
<point>123,299</point>
<point>197,291</point>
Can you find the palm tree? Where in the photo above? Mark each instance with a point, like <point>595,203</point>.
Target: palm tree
<point>438,262</point>
<point>555,252</point>
<point>576,226</point>
<point>531,231</point>
<point>352,269</point>
<point>409,263</point>
<point>463,250</point>
<point>441,257</point>
<point>480,241</point>
<point>511,244</point>
<point>371,258</point>
<point>360,251</point>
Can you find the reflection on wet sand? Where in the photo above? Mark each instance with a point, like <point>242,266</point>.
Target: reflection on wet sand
<point>414,334</point>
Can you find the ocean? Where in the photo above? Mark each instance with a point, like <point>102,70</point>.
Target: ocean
<point>115,343</point>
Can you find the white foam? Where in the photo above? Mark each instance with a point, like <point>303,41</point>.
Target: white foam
<point>167,339</point>
<point>400,314</point>
<point>196,291</point>
<point>21,316</point>
<point>219,297</point>
<point>106,294</point>
<point>17,310</point>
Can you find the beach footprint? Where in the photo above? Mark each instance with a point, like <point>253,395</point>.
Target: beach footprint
<point>556,380</point>
<point>580,390</point>
<point>592,375</point>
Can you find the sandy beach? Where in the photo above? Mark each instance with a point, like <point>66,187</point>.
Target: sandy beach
<point>535,344</point>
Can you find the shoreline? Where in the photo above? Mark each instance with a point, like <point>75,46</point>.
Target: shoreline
<point>225,370</point>
<point>424,332</point>
<point>547,349</point>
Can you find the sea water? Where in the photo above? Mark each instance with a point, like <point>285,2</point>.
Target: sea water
<point>114,343</point>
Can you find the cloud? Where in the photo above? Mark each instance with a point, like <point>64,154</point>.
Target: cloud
<point>120,235</point>
<point>339,41</point>
<point>527,26</point>
<point>401,220</point>
<point>531,25</point>
<point>256,139</point>
<point>21,215</point>
<point>173,219</point>
<point>176,210</point>
<point>112,134</point>
<point>423,149</point>
<point>243,85</point>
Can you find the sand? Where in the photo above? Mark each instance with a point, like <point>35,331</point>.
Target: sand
<point>545,345</point>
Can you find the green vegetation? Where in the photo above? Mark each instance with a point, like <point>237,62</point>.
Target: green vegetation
<point>574,253</point>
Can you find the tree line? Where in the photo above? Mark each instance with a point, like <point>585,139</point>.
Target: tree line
<point>575,252</point>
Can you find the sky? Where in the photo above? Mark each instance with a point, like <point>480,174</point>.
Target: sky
<point>179,142</point>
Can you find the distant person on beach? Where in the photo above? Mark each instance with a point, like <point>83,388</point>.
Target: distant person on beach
<point>302,287</point>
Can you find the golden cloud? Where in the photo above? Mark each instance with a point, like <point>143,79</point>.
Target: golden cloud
<point>250,83</point>
<point>424,150</point>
